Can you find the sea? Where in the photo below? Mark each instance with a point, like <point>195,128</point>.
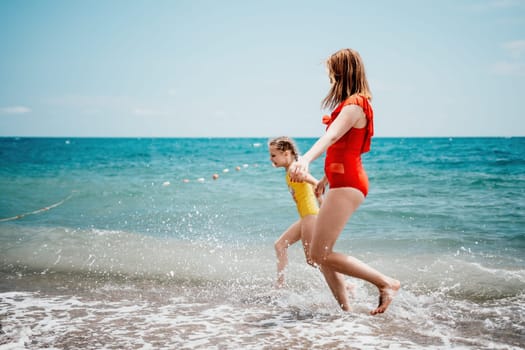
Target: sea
<point>167,243</point>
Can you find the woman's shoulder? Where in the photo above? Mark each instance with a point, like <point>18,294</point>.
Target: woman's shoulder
<point>361,101</point>
<point>357,99</point>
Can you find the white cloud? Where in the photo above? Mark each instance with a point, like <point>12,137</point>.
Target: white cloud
<point>15,110</point>
<point>514,63</point>
<point>87,101</point>
<point>515,48</point>
<point>505,3</point>
<point>89,104</point>
<point>147,112</point>
<point>509,68</point>
<point>495,4</point>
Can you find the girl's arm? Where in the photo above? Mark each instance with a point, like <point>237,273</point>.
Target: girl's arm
<point>310,179</point>
<point>319,189</point>
<point>317,185</point>
<point>350,116</point>
<point>321,185</point>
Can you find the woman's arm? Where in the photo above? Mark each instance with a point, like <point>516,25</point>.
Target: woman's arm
<point>350,115</point>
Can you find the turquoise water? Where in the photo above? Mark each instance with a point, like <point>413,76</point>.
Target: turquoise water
<point>137,229</point>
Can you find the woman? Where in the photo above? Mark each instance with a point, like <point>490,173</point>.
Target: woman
<point>348,135</point>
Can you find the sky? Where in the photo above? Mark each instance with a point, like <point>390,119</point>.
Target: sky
<point>181,68</point>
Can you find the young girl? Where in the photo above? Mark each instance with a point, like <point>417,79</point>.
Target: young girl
<point>283,152</point>
<point>348,134</point>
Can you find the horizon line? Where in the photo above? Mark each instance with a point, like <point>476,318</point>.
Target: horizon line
<point>244,137</point>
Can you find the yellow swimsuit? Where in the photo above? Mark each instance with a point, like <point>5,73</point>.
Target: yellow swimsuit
<point>304,197</point>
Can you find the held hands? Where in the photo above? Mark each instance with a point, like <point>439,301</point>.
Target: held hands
<point>298,170</point>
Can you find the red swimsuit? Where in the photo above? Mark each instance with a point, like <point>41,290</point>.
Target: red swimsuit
<point>343,166</point>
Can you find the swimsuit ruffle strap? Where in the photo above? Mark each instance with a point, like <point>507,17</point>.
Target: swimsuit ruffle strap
<point>362,102</point>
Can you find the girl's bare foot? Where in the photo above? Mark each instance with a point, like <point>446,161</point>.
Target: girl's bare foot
<point>279,284</point>
<point>386,295</point>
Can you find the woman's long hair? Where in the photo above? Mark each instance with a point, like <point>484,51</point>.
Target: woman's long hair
<point>348,77</point>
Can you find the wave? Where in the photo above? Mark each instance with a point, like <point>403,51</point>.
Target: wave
<point>249,316</point>
<point>460,273</point>
<point>112,252</point>
<point>94,322</point>
<point>208,293</point>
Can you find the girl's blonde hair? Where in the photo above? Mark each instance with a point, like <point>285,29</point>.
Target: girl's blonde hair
<point>348,77</point>
<point>284,143</point>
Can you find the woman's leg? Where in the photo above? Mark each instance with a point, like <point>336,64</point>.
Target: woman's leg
<point>289,237</point>
<point>338,207</point>
<point>338,286</point>
<point>335,280</point>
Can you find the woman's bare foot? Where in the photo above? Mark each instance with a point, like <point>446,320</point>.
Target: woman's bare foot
<point>386,295</point>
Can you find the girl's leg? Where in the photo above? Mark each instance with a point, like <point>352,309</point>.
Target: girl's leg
<point>289,237</point>
<point>307,231</point>
<point>338,207</point>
